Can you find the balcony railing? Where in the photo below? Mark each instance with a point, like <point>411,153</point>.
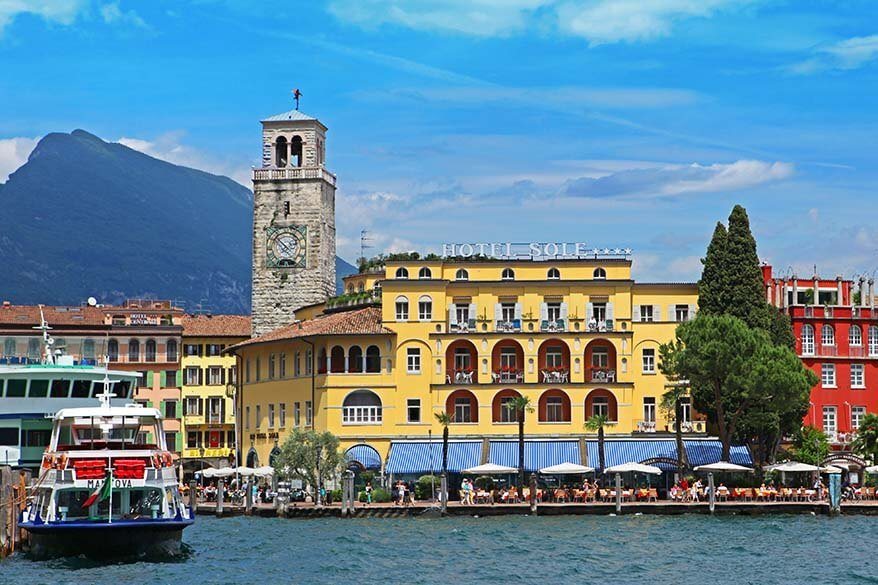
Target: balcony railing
<point>141,359</point>
<point>600,326</point>
<point>513,326</point>
<point>555,376</point>
<point>293,173</point>
<point>468,326</point>
<point>857,351</point>
<point>461,377</point>
<point>645,426</point>
<point>507,377</point>
<point>553,326</point>
<point>827,350</point>
<point>602,375</point>
<point>689,426</point>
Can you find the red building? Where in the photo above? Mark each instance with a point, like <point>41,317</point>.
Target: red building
<point>836,327</point>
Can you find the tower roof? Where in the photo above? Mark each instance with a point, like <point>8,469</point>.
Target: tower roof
<point>291,116</point>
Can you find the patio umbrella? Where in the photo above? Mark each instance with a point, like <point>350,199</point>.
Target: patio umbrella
<point>872,469</point>
<point>720,466</point>
<point>635,467</point>
<point>245,471</point>
<point>831,469</point>
<point>264,471</point>
<point>566,469</point>
<point>491,469</point>
<point>222,472</point>
<point>793,467</point>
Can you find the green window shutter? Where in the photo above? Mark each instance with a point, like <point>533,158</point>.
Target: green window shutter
<point>149,377</point>
<point>179,383</point>
<point>179,409</point>
<point>164,376</point>
<point>149,404</point>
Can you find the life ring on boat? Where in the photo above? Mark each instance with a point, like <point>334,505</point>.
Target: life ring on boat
<point>47,461</point>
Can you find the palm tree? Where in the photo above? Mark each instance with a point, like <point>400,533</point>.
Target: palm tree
<point>520,405</point>
<point>596,424</point>
<point>672,401</point>
<point>444,419</point>
<point>866,441</point>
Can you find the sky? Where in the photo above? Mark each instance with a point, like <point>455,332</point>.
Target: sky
<point>624,123</point>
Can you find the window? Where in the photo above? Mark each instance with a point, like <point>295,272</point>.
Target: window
<point>508,274</point>
<point>827,335</point>
<point>827,375</point>
<point>283,366</point>
<point>681,313</point>
<point>297,366</point>
<point>193,406</point>
<point>88,349</point>
<point>309,362</point>
<point>193,439</point>
<point>646,314</point>
<point>857,376</point>
<point>258,416</point>
<point>553,311</point>
<point>233,375</point>
<point>133,351</point>
<point>600,273</point>
<point>600,406</point>
<point>213,350</point>
<point>600,356</point>
<point>171,440</point>
<point>361,407</point>
<point>297,414</point>
<point>649,361</point>
<point>271,362</point>
<point>149,350</point>
<point>113,350</point>
<point>373,359</point>
<point>873,340</point>
<point>508,359</point>
<point>554,409</point>
<point>507,312</point>
<point>144,380</point>
<point>830,422</point>
<point>553,274</point>
<point>807,340</point>
<point>171,350</point>
<point>857,414</point>
<point>271,416</point>
<point>247,418</point>
<point>855,336</point>
<point>461,274</point>
<point>402,309</point>
<point>170,379</point>
<point>258,369</point>
<point>192,376</point>
<point>216,376</point>
<point>170,409</point>
<point>425,273</point>
<point>507,410</point>
<point>554,357</point>
<point>9,347</point>
<point>599,312</point>
<point>283,415</point>
<point>309,414</point>
<point>413,360</point>
<point>402,273</point>
<point>355,359</point>
<point>463,410</point>
<point>191,350</point>
<point>649,409</point>
<point>413,410</point>
<point>425,308</point>
<point>462,360</point>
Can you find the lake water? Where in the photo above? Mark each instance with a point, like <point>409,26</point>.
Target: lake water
<point>510,549</point>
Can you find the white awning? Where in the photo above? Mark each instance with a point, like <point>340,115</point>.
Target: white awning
<point>872,469</point>
<point>566,468</point>
<point>245,471</point>
<point>793,467</point>
<point>635,467</point>
<point>264,471</point>
<point>724,466</point>
<point>223,472</point>
<point>490,469</point>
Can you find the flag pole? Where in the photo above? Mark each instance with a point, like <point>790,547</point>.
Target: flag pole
<point>110,521</point>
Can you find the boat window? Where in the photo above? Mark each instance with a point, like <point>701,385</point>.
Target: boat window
<point>9,437</point>
<point>97,388</point>
<point>81,388</point>
<point>15,388</point>
<point>39,388</point>
<point>60,388</point>
<point>122,389</point>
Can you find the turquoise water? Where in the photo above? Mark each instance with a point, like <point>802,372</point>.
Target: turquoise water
<point>511,549</point>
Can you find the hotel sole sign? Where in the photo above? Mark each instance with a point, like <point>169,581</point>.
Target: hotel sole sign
<point>531,250</point>
<point>118,484</point>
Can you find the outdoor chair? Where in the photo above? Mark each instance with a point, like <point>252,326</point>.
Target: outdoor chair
<point>653,495</point>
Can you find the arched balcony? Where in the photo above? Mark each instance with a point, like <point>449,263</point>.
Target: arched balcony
<point>463,406</point>
<point>336,360</point>
<point>361,407</point>
<point>500,410</point>
<point>600,361</point>
<point>554,406</point>
<point>601,402</point>
<point>507,362</point>
<point>461,363</point>
<point>554,362</point>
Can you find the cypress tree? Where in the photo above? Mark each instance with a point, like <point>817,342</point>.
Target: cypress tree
<point>711,288</point>
<point>742,275</point>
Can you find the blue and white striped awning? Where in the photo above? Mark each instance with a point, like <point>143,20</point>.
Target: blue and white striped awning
<point>537,454</point>
<point>425,457</point>
<point>365,455</point>
<point>699,452</point>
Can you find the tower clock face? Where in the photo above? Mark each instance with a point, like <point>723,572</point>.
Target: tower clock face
<point>286,247</point>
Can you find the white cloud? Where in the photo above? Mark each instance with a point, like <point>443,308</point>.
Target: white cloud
<point>13,154</point>
<point>598,21</point>
<point>851,53</point>
<point>113,14</point>
<point>60,11</point>
<point>169,147</point>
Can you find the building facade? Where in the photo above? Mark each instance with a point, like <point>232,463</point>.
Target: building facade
<point>293,221</point>
<point>209,377</point>
<point>577,336</point>
<point>835,324</point>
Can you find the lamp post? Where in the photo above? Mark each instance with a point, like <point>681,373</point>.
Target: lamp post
<point>201,456</point>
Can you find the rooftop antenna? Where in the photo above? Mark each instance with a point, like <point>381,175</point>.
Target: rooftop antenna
<point>296,95</point>
<point>363,245</point>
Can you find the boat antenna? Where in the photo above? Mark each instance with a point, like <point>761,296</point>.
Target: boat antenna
<point>106,395</point>
<point>48,341</point>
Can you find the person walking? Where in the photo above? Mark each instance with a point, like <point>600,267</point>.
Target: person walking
<point>368,490</point>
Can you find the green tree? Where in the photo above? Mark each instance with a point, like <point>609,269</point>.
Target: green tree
<point>311,456</point>
<point>444,419</point>
<point>520,405</point>
<point>596,424</point>
<point>741,274</point>
<point>810,445</point>
<point>672,399</point>
<point>780,328</point>
<point>711,286</point>
<point>866,441</point>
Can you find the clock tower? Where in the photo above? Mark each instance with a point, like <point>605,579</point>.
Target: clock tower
<point>293,221</point>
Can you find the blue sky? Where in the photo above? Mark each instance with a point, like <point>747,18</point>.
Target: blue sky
<point>631,123</point>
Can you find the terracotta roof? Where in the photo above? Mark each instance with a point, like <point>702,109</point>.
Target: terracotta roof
<point>216,326</point>
<point>365,321</point>
<point>56,316</point>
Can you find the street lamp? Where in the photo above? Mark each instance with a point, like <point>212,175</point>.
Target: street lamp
<point>201,456</point>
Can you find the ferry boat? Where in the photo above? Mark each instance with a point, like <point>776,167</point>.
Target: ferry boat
<point>107,484</point>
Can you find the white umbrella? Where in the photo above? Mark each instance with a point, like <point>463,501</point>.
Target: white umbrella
<point>490,469</point>
<point>723,466</point>
<point>635,467</point>
<point>222,472</point>
<point>793,467</point>
<point>264,471</point>
<point>245,471</point>
<point>831,469</point>
<point>872,469</point>
<point>565,469</point>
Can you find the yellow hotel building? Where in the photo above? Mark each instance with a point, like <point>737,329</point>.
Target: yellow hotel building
<point>577,336</point>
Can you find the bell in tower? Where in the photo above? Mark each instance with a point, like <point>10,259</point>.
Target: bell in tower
<point>293,221</point>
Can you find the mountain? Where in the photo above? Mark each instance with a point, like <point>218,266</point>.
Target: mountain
<point>84,217</point>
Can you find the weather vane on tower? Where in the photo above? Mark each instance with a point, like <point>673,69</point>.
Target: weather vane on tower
<point>296,95</point>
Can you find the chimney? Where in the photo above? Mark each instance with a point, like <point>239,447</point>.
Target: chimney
<point>862,288</point>
<point>838,301</point>
<point>871,296</point>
